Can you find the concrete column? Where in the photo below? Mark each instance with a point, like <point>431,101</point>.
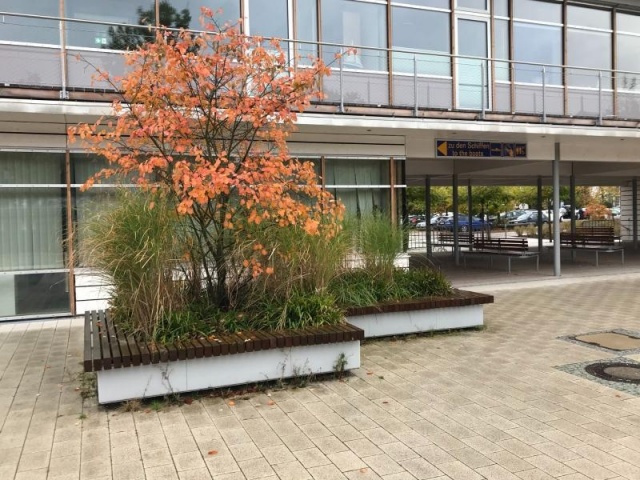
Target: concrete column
<point>456,247</point>
<point>470,214</point>
<point>427,210</point>
<point>634,211</point>
<point>556,211</point>
<point>572,199</point>
<point>539,207</point>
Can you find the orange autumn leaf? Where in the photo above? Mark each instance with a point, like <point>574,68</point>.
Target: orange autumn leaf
<point>212,452</point>
<point>231,403</point>
<point>204,118</point>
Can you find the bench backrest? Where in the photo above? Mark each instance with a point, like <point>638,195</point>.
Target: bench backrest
<point>447,238</point>
<point>503,244</point>
<point>566,238</point>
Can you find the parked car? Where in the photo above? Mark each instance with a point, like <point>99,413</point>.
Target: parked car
<point>463,223</point>
<point>415,219</point>
<point>435,221</point>
<point>506,217</point>
<point>530,217</point>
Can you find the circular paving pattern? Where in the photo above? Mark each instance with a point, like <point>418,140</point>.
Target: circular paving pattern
<point>615,372</point>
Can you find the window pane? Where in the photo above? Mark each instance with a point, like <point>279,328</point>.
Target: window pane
<point>345,171</point>
<point>421,31</point>
<point>537,10</point>
<point>31,168</point>
<point>31,228</point>
<point>425,3</point>
<point>355,23</point>
<point>31,30</point>
<point>135,12</point>
<point>473,4</point>
<point>363,201</point>
<point>588,49</point>
<point>501,33</point>
<point>546,49</point>
<point>501,8</point>
<point>628,60</point>
<point>588,17</point>
<point>268,18</point>
<point>628,23</point>
<point>224,11</point>
<point>307,25</point>
<point>31,218</point>
<point>472,42</point>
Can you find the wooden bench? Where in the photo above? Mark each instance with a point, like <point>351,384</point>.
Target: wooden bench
<point>595,239</point>
<point>445,239</point>
<point>106,347</point>
<point>502,247</point>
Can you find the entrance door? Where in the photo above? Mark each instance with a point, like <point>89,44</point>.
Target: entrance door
<point>472,74</point>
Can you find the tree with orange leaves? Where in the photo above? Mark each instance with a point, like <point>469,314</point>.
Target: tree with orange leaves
<point>204,118</point>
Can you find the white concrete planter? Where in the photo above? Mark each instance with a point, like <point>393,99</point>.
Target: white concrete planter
<point>188,375</point>
<point>128,369</point>
<point>463,311</point>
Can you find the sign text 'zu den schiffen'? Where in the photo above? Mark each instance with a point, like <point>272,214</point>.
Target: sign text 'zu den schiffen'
<point>471,148</point>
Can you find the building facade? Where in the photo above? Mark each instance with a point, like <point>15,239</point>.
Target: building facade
<point>469,92</point>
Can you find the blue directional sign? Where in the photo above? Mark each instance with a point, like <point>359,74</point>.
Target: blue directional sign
<point>473,148</point>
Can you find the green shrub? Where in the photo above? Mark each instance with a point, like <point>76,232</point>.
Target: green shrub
<point>136,246</point>
<point>361,287</point>
<point>378,242</point>
<point>297,310</point>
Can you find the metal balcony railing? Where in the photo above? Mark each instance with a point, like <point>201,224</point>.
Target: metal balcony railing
<point>362,76</point>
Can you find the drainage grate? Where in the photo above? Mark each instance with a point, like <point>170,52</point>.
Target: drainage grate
<point>618,341</point>
<point>620,373</point>
<point>615,372</point>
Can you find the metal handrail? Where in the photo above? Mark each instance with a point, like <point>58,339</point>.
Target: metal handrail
<point>325,44</point>
<point>486,66</point>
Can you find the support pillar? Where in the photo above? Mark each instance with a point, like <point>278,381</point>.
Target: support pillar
<point>634,211</point>
<point>456,246</point>
<point>427,209</point>
<point>539,207</point>
<point>572,200</point>
<point>556,211</point>
<point>470,214</point>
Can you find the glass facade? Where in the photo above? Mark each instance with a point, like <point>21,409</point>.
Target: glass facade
<point>269,18</point>
<point>541,21</point>
<point>30,30</point>
<point>419,31</point>
<point>355,24</point>
<point>36,206</point>
<point>589,45</point>
<point>363,185</point>
<point>628,46</point>
<point>32,230</point>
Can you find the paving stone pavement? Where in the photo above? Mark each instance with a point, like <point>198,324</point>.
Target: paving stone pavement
<point>471,405</point>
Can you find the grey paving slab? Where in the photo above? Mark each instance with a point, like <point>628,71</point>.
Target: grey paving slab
<point>506,402</point>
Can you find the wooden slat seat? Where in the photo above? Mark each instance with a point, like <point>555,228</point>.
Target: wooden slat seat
<point>106,347</point>
<point>596,239</point>
<point>509,248</point>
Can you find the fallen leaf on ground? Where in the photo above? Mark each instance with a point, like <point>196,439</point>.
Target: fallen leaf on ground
<point>363,470</point>
<point>212,452</point>
<point>271,402</point>
<point>231,403</point>
<point>188,400</point>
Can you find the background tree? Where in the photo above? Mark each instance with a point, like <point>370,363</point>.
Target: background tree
<point>130,38</point>
<point>204,119</point>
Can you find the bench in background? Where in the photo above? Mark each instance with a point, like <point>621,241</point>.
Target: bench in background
<point>509,248</point>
